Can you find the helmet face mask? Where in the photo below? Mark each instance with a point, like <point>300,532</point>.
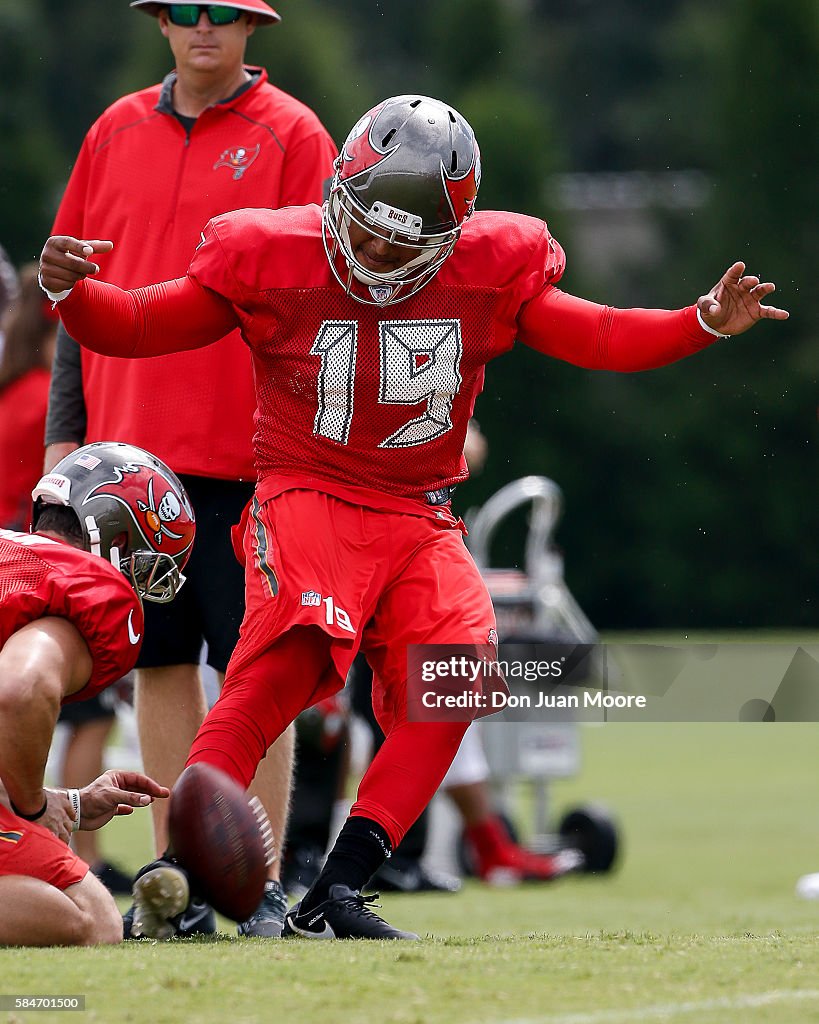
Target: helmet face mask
<point>154,577</point>
<point>426,256</point>
<point>132,510</point>
<point>408,172</point>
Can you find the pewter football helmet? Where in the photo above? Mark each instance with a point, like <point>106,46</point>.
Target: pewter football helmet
<point>409,171</point>
<point>133,511</point>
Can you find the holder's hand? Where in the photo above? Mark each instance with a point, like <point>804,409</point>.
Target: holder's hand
<point>116,792</point>
<point>59,815</point>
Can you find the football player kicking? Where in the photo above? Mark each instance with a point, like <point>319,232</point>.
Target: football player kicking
<point>370,322</point>
<point>112,525</point>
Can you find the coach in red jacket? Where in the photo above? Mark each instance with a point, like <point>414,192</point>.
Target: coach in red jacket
<point>215,136</point>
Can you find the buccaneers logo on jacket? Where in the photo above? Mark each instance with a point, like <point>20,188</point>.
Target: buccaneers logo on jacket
<point>163,512</point>
<point>237,159</point>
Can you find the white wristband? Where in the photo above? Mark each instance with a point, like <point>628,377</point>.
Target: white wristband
<point>710,330</point>
<point>54,296</point>
<point>74,797</point>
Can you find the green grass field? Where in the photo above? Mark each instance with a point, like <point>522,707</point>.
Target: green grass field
<point>699,924</point>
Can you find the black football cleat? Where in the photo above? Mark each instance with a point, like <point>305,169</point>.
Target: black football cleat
<point>345,915</point>
<point>268,920</point>
<point>197,918</point>
<point>163,907</point>
<point>161,893</point>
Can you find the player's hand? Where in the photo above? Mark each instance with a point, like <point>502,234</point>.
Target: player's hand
<point>66,260</point>
<point>116,792</point>
<point>735,302</point>
<point>59,815</point>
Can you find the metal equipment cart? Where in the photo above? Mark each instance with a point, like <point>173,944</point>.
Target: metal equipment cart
<point>534,605</point>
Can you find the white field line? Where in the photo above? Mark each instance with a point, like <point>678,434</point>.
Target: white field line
<point>668,1011</point>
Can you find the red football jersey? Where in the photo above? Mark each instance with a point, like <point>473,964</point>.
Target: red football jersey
<point>368,396</point>
<point>371,403</point>
<point>40,577</point>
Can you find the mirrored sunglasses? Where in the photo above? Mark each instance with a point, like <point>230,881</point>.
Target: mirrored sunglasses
<point>189,14</point>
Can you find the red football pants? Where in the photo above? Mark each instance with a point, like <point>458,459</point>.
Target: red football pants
<point>27,848</point>
<point>262,699</point>
<point>393,580</point>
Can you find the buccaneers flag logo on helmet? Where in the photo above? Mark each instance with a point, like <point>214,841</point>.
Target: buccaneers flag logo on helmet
<point>164,516</point>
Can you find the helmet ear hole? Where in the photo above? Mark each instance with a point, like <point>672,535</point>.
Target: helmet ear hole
<point>120,541</point>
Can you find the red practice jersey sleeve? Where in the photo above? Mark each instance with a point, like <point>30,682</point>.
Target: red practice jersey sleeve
<point>42,577</point>
<point>144,319</point>
<point>604,338</point>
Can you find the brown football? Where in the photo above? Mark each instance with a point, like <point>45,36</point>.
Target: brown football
<point>218,838</point>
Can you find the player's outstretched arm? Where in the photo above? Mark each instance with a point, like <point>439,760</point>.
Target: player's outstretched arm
<point>735,302</point>
<point>116,792</point>
<point>604,338</point>
<point>171,316</point>
<point>66,260</point>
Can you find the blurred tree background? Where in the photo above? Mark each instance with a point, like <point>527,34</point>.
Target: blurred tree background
<point>662,142</point>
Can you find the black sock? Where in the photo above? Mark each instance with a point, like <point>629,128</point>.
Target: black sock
<point>360,850</point>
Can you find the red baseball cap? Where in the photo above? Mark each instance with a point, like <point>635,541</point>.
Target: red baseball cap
<point>265,14</point>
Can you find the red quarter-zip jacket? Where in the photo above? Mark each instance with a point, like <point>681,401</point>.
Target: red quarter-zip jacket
<point>148,184</point>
